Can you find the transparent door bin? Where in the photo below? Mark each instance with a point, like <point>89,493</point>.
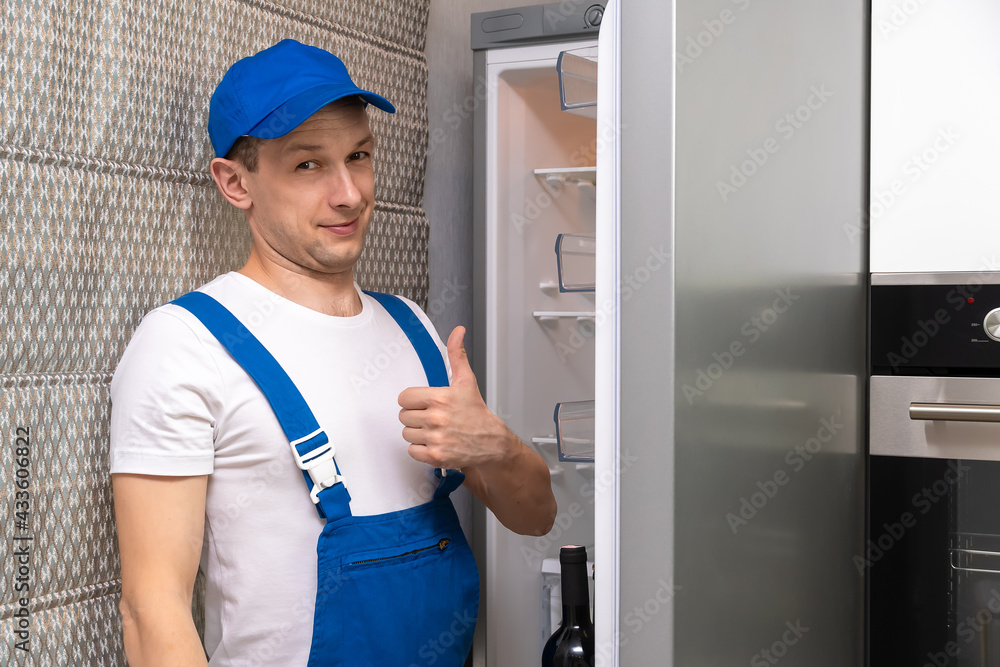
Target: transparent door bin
<point>575,431</point>
<point>578,81</point>
<point>576,256</point>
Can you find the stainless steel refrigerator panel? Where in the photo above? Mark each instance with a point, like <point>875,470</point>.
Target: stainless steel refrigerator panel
<point>936,417</point>
<point>765,313</point>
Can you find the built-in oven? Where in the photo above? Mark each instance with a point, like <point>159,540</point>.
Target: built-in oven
<point>932,554</point>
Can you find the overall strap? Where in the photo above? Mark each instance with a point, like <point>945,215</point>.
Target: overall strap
<point>433,363</point>
<point>311,448</point>
<point>420,339</point>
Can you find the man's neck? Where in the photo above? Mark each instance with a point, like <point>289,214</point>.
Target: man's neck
<point>331,294</point>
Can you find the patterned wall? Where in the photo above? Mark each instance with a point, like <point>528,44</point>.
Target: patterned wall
<point>106,211</point>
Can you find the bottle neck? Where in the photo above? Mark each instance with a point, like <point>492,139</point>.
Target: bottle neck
<point>576,616</point>
<point>575,594</point>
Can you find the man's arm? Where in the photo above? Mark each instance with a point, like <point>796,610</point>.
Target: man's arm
<point>161,524</point>
<point>517,489</point>
<point>451,427</point>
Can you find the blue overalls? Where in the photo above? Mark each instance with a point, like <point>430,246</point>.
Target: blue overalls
<point>399,589</point>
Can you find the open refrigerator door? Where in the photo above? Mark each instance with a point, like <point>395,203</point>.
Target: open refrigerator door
<point>537,233</point>
<point>607,345</point>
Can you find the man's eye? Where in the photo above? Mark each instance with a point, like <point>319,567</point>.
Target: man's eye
<point>308,164</point>
<point>359,155</point>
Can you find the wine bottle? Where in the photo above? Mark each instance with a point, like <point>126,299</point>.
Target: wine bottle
<point>572,645</point>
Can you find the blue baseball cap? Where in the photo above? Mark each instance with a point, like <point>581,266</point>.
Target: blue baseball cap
<point>269,94</point>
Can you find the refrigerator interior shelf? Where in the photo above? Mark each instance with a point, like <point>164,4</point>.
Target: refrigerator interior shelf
<point>550,440</point>
<point>549,287</point>
<point>553,315</point>
<point>559,175</point>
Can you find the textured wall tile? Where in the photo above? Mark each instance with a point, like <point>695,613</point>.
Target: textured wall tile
<point>107,210</point>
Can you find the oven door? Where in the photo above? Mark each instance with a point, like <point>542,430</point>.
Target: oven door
<point>933,549</point>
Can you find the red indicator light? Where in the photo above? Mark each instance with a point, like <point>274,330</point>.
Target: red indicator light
<point>971,300</point>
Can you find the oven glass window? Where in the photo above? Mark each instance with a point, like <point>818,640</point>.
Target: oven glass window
<point>933,562</point>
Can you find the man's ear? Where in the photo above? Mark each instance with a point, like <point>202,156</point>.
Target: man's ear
<point>230,178</point>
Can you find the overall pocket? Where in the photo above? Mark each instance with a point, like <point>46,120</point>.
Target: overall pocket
<point>411,605</point>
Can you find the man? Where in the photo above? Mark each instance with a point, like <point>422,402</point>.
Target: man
<point>202,471</point>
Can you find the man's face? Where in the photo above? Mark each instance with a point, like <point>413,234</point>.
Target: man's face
<point>314,191</point>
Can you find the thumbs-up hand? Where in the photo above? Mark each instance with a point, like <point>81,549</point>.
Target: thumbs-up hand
<point>451,427</point>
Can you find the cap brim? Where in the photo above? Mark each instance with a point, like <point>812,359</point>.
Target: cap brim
<point>295,111</point>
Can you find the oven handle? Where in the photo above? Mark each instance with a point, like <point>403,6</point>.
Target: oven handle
<point>955,412</point>
<point>951,560</point>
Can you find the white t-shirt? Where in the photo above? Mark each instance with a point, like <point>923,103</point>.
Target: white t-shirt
<point>182,406</point>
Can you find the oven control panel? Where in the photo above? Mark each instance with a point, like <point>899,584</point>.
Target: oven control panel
<point>992,324</point>
<point>939,329</point>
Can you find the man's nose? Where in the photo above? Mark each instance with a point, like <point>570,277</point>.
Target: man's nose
<point>344,191</point>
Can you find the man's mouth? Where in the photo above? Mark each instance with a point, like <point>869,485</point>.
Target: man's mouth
<point>343,229</point>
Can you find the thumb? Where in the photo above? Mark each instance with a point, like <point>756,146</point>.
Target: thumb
<point>461,371</point>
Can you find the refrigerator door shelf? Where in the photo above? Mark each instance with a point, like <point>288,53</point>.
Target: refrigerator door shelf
<point>578,81</point>
<point>576,260</point>
<point>575,431</point>
<point>542,445</point>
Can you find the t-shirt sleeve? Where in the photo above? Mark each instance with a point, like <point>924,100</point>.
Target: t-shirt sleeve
<point>442,345</point>
<point>164,395</point>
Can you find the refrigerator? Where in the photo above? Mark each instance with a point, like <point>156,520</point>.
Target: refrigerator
<point>670,307</point>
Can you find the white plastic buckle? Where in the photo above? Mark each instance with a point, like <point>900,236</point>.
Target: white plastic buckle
<point>323,476</point>
<point>320,465</point>
<point>316,456</point>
